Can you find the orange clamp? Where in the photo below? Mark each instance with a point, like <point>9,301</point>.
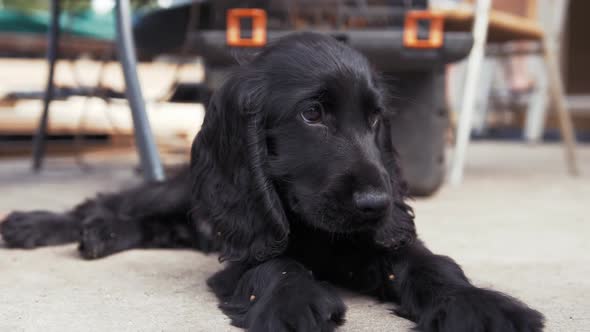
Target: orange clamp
<point>233,32</point>
<point>435,33</point>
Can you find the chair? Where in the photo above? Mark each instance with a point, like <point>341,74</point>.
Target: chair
<point>494,26</point>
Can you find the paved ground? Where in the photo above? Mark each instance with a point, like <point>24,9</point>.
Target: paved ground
<point>517,224</point>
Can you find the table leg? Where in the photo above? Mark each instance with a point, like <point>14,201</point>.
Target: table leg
<point>148,153</point>
<point>52,52</point>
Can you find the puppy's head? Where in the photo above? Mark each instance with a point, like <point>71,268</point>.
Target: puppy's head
<point>300,134</point>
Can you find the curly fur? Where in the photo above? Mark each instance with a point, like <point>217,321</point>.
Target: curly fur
<point>293,206</point>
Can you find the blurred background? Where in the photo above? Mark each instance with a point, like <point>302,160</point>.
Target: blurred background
<point>183,56</point>
<point>493,126</point>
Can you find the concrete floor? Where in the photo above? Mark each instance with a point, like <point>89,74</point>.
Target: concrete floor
<point>518,224</point>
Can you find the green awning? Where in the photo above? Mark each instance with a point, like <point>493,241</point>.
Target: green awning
<point>81,24</point>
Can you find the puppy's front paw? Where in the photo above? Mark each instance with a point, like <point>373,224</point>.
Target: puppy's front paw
<point>101,237</point>
<point>36,228</point>
<point>306,307</point>
<point>474,309</point>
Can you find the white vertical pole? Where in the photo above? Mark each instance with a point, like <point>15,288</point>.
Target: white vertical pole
<point>480,31</point>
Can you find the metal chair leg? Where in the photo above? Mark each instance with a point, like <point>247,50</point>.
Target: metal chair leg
<point>474,62</point>
<point>148,153</point>
<point>52,54</point>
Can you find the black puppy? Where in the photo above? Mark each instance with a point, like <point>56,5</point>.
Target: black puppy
<point>294,178</point>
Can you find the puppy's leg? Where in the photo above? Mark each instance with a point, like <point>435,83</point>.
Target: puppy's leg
<point>39,228</point>
<point>45,228</point>
<point>278,295</point>
<point>433,291</point>
<point>149,216</point>
<point>154,215</point>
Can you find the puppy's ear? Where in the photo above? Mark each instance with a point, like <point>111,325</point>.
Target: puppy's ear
<point>400,230</point>
<point>231,192</point>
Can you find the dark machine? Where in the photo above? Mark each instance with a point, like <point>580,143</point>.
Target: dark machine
<point>402,38</point>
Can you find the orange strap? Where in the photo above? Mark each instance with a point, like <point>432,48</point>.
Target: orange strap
<point>233,32</point>
<point>435,33</point>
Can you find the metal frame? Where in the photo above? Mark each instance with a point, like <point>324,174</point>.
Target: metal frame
<point>52,54</point>
<point>148,153</point>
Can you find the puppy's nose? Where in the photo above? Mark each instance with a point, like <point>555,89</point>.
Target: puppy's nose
<point>371,202</point>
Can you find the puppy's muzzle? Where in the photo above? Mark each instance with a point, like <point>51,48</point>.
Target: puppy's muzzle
<point>371,203</point>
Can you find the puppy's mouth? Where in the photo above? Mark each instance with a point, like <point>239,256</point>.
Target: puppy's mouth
<point>334,217</point>
<point>354,224</point>
<point>350,225</point>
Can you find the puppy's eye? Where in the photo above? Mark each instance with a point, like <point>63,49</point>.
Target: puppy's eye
<point>374,119</point>
<point>313,114</point>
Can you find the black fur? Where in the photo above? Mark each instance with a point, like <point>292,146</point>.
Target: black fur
<point>292,204</point>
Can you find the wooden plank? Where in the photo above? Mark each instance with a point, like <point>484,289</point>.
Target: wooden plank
<point>532,10</point>
<point>36,45</point>
<point>172,123</point>
<point>30,75</point>
<point>502,26</point>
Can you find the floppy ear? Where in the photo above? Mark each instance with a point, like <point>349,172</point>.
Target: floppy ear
<point>230,190</point>
<point>400,230</point>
